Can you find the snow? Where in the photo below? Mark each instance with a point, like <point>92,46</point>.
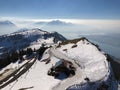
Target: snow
<point>87,59</point>
<point>31,38</point>
<point>34,46</point>
<point>36,77</point>
<point>93,61</point>
<point>119,87</point>
<point>13,66</point>
<point>37,45</point>
<point>46,55</point>
<point>1,47</point>
<point>30,32</point>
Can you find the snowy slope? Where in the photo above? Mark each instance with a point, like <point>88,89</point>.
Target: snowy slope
<point>36,77</point>
<point>93,63</point>
<point>87,59</point>
<point>28,38</point>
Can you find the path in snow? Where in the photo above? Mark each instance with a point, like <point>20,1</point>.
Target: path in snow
<point>71,80</point>
<point>61,56</point>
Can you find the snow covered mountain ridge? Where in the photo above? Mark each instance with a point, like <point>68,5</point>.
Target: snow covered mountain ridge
<point>54,22</point>
<point>92,71</point>
<point>28,38</point>
<point>68,65</point>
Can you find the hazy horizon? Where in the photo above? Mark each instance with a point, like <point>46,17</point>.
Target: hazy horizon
<point>102,15</point>
<point>83,26</point>
<point>98,20</point>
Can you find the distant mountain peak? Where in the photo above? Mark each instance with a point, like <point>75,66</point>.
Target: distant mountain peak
<point>58,22</point>
<point>41,22</point>
<point>53,22</point>
<point>6,23</point>
<point>29,30</point>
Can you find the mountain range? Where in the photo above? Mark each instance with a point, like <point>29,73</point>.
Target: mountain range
<point>7,23</point>
<point>54,22</point>
<point>76,64</point>
<point>7,27</point>
<point>26,38</point>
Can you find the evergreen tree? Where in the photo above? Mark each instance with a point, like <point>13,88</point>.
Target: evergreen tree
<point>29,51</point>
<point>14,56</point>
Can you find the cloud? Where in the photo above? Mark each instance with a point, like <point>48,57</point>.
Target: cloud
<point>92,24</point>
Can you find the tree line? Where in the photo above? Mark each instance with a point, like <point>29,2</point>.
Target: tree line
<point>16,55</point>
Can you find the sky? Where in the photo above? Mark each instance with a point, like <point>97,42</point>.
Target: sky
<point>92,14</point>
<point>93,17</point>
<point>64,9</point>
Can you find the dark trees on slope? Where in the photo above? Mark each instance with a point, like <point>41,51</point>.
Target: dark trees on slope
<point>14,56</point>
<point>41,50</point>
<point>29,51</point>
<point>5,61</point>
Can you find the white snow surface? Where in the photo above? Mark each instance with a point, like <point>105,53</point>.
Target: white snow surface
<point>30,32</point>
<point>93,64</point>
<point>15,65</point>
<point>36,77</point>
<point>92,61</point>
<point>37,45</point>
